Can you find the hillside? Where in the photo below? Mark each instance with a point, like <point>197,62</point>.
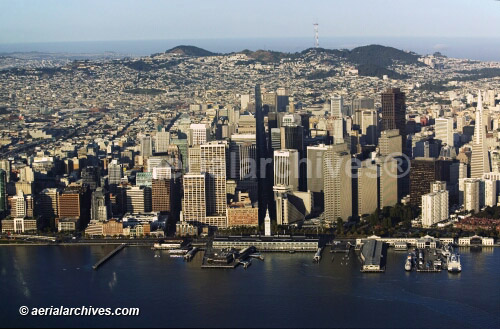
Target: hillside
<point>190,51</point>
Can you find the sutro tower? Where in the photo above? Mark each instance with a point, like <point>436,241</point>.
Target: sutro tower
<point>316,35</point>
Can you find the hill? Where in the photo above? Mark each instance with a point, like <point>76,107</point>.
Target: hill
<point>190,51</point>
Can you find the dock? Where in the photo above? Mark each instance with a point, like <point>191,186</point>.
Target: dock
<point>109,256</point>
<point>190,254</point>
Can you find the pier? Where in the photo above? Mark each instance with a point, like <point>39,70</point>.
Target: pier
<point>317,256</point>
<point>191,253</point>
<point>109,256</point>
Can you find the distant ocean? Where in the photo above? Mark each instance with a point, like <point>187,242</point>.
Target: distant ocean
<point>484,49</point>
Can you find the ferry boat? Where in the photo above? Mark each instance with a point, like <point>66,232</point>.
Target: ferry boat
<point>409,263</point>
<point>453,263</point>
<point>166,246</point>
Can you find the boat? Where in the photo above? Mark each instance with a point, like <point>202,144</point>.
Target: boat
<point>409,263</point>
<point>178,251</point>
<point>166,246</point>
<point>453,263</point>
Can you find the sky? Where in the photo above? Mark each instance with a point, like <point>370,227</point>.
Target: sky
<point>33,21</point>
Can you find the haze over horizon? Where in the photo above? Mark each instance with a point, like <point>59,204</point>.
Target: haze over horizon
<point>222,26</point>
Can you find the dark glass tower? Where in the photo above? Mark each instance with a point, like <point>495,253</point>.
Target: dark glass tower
<point>262,172</point>
<point>394,111</point>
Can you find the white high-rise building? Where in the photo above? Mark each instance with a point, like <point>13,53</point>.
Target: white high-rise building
<point>198,134</point>
<point>115,173</point>
<point>480,163</point>
<point>369,123</point>
<point>336,106</point>
<point>490,192</point>
<point>244,100</point>
<point>194,201</point>
<point>286,170</point>
<point>471,194</point>
<point>162,140</point>
<point>444,131</point>
<point>435,208</point>
<point>19,205</point>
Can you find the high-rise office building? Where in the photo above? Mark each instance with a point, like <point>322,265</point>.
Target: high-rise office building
<point>435,207</point>
<point>390,143</point>
<point>367,178</point>
<point>146,146</point>
<point>47,205</point>
<point>161,195</point>
<point>471,194</point>
<point>286,170</point>
<point>198,134</point>
<point>424,171</point>
<point>194,159</point>
<point>480,162</point>
<point>137,200</point>
<point>115,173</point>
<point>444,131</point>
<point>100,205</point>
<point>336,106</point>
<point>162,140</point>
<point>264,193</point>
<point>91,176</point>
<point>490,192</point>
<point>369,126</point>
<point>27,175</point>
<point>315,155</point>
<point>213,164</point>
<point>5,165</point>
<point>394,112</point>
<point>194,201</point>
<point>3,193</point>
<point>388,182</point>
<point>337,184</point>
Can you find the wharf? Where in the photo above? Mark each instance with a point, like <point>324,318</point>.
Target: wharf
<point>109,256</point>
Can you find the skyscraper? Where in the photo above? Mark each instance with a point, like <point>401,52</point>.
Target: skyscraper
<point>480,162</point>
<point>434,207</point>
<point>394,112</point>
<point>263,170</point>
<point>146,146</point>
<point>336,106</point>
<point>99,205</point>
<point>338,184</point>
<point>444,131</point>
<point>194,201</point>
<point>3,193</point>
<point>471,194</point>
<point>286,170</point>
<point>161,195</point>
<point>213,164</point>
<point>198,134</point>
<point>162,141</point>
<point>368,175</point>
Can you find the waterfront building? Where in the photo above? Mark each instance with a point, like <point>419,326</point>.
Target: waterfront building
<point>137,200</point>
<point>194,201</point>
<point>435,207</point>
<point>337,184</point>
<point>213,165</point>
<point>471,194</point>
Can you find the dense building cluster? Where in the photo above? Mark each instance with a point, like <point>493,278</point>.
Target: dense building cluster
<point>173,143</point>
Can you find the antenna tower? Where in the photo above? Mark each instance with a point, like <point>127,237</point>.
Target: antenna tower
<point>316,35</point>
